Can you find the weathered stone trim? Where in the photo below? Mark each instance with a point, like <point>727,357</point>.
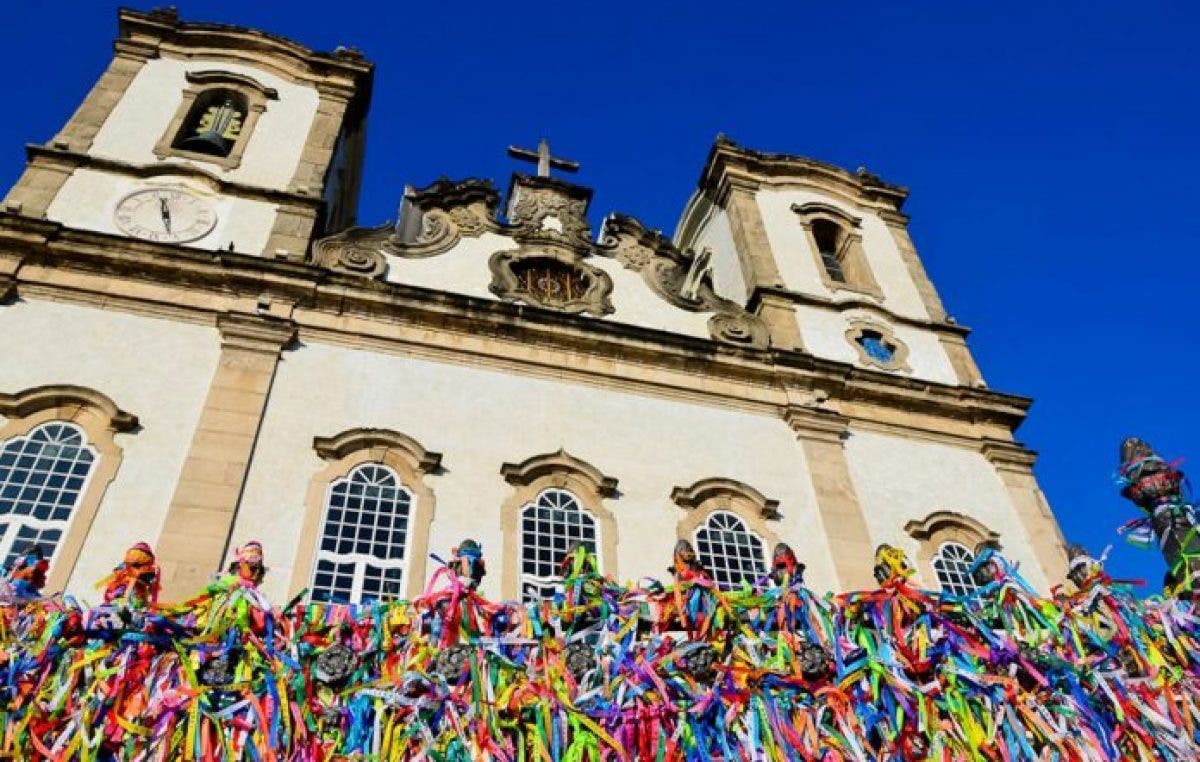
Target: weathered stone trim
<point>929,297</point>
<point>101,419</point>
<point>345,452</point>
<point>758,262</point>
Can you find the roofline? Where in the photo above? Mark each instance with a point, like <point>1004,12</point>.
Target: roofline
<point>729,163</point>
<point>162,27</point>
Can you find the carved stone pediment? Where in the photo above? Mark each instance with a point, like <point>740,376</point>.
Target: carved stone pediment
<point>433,220</point>
<point>674,276</point>
<point>551,278</point>
<point>549,211</point>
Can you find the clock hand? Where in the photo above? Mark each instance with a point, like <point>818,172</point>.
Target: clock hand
<point>165,210</point>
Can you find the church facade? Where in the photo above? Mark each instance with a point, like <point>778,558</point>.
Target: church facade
<point>200,347</point>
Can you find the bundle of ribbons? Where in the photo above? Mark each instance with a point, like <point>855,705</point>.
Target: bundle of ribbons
<point>684,671</point>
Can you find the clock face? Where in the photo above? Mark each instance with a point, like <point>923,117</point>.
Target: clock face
<point>170,215</point>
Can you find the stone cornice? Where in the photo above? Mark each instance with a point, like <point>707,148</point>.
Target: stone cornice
<point>348,442</point>
<point>91,267</point>
<point>43,397</point>
<point>817,423</point>
<point>256,333</point>
<point>1009,456</point>
<point>730,166</point>
<point>67,158</point>
<point>853,302</point>
<point>162,28</point>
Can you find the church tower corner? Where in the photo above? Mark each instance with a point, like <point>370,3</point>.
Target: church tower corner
<point>210,136</point>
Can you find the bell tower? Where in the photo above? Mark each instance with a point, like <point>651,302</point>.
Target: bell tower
<point>207,136</point>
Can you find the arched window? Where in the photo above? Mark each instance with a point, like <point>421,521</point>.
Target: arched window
<point>835,239</point>
<point>43,475</point>
<point>952,564</point>
<point>213,123</point>
<point>550,525</point>
<point>364,537</point>
<point>828,236</point>
<point>730,551</point>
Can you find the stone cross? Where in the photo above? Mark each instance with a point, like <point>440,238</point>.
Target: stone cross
<point>543,158</point>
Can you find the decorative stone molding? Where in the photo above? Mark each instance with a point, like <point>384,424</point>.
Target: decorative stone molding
<point>256,333</point>
<point>943,521</point>
<point>432,221</point>
<point>353,440</point>
<point>557,470</point>
<point>355,251</point>
<point>717,493</point>
<point>100,418</point>
<point>818,424</point>
<point>66,397</point>
<point>548,210</point>
<point>255,94</point>
<point>540,278</point>
<point>665,269</point>
<point>346,451</point>
<point>560,466</point>
<point>858,327</point>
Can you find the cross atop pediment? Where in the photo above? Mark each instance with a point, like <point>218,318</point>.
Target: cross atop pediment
<point>543,159</point>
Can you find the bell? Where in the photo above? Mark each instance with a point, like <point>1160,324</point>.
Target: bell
<point>212,141</point>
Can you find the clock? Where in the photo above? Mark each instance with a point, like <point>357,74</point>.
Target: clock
<point>169,215</point>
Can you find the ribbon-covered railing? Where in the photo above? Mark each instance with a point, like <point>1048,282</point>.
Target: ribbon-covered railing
<point>606,672</point>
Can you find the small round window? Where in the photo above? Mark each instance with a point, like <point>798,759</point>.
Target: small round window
<point>876,346</point>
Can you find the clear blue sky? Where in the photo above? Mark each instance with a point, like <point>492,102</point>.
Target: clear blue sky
<point>1051,151</point>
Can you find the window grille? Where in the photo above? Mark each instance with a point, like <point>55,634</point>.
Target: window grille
<point>549,526</point>
<point>43,475</point>
<point>730,551</point>
<point>952,564</point>
<point>364,537</point>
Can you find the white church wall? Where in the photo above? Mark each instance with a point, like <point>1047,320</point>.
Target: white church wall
<point>900,480</point>
<point>159,370</point>
<point>715,234</point>
<point>89,198</point>
<point>480,419</point>
<point>824,334</point>
<point>149,104</point>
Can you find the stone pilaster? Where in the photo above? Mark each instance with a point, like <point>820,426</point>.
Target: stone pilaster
<point>961,360</point>
<point>81,129</point>
<point>779,314</point>
<point>898,226</point>
<point>196,532</point>
<point>821,433</point>
<point>1014,466</point>
<point>750,238</point>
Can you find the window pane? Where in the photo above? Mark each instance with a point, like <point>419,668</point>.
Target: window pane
<point>730,551</point>
<point>34,490</point>
<point>549,526</point>
<point>364,536</point>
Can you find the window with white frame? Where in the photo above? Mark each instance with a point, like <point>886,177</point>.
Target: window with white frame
<point>43,475</point>
<point>549,526</point>
<point>952,564</point>
<point>730,551</point>
<point>364,537</point>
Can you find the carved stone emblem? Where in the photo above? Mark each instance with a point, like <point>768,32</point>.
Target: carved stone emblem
<point>551,279</point>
